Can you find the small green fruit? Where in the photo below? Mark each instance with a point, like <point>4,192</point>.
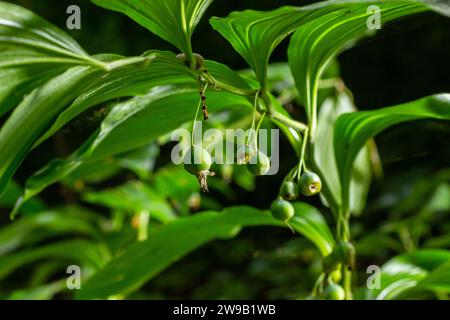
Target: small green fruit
<point>310,184</point>
<point>244,154</point>
<point>282,210</point>
<point>289,190</point>
<point>333,292</point>
<point>259,164</point>
<point>197,160</point>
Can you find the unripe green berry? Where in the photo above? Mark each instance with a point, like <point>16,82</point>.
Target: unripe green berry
<point>310,183</point>
<point>196,160</point>
<point>282,210</point>
<point>333,292</point>
<point>259,164</point>
<point>289,190</point>
<point>244,153</point>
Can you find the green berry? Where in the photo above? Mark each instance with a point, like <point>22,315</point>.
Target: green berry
<point>244,154</point>
<point>289,190</point>
<point>197,160</point>
<point>333,292</point>
<point>310,183</point>
<point>282,210</point>
<point>259,164</point>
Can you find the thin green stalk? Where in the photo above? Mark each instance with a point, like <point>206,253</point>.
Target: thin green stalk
<point>343,234</point>
<point>257,129</point>
<point>255,101</point>
<point>226,87</point>
<point>196,113</point>
<point>299,126</point>
<point>301,162</point>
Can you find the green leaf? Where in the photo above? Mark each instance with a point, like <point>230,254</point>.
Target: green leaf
<point>172,20</point>
<point>21,28</point>
<point>161,68</point>
<point>419,270</point>
<point>255,34</point>
<point>142,261</point>
<point>90,254</point>
<point>126,128</point>
<point>35,113</point>
<point>438,279</point>
<point>325,163</point>
<point>314,45</point>
<point>14,191</point>
<point>20,80</point>
<point>133,197</point>
<point>352,130</point>
<point>32,229</point>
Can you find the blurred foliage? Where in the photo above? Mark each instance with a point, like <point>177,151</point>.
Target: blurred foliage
<point>99,206</point>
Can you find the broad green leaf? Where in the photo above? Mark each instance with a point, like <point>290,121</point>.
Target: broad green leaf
<point>172,20</point>
<point>18,81</point>
<point>352,130</point>
<point>255,34</point>
<point>126,128</point>
<point>35,113</point>
<point>21,28</point>
<point>410,271</point>
<point>162,68</point>
<point>325,163</point>
<point>314,44</point>
<point>142,261</point>
<point>90,254</point>
<point>39,109</point>
<point>133,197</point>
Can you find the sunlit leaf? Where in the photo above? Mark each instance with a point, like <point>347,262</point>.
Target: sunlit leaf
<point>314,44</point>
<point>21,28</point>
<point>34,114</point>
<point>352,130</point>
<point>255,34</point>
<point>172,20</point>
<point>325,163</point>
<point>410,271</point>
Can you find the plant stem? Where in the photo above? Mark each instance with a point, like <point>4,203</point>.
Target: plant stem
<point>195,120</point>
<point>299,126</point>
<point>255,101</point>
<point>301,162</point>
<point>343,234</point>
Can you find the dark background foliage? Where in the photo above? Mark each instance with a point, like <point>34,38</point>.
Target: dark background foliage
<point>405,61</point>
